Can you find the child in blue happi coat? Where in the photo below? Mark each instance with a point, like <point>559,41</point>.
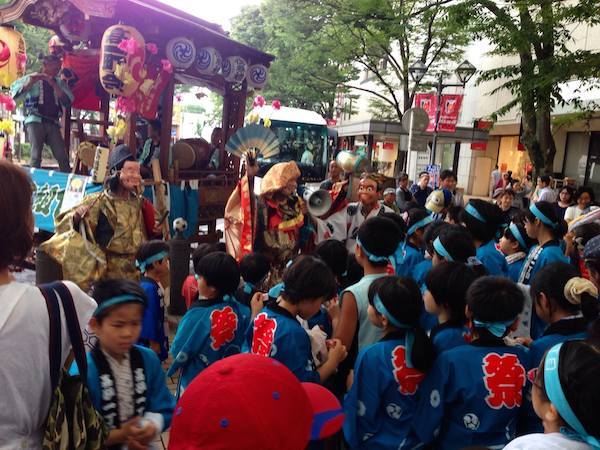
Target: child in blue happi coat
<point>484,221</point>
<point>254,268</point>
<point>447,284</point>
<point>126,382</point>
<point>277,333</point>
<point>335,255</point>
<point>544,226</point>
<point>567,303</point>
<point>454,243</point>
<point>566,397</point>
<point>422,269</point>
<point>381,403</point>
<point>152,259</point>
<point>514,245</point>
<point>214,327</point>
<point>410,252</point>
<point>472,395</point>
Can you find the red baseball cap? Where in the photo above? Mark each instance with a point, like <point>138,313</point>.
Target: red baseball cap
<point>249,402</point>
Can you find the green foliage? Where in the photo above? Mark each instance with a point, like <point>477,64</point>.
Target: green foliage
<point>36,41</point>
<point>539,33</point>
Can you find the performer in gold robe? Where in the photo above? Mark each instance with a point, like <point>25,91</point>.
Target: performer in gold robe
<point>99,238</point>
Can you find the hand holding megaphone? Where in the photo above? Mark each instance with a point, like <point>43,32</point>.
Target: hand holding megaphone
<point>318,201</point>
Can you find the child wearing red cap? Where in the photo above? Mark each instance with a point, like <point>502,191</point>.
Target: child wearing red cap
<point>276,332</point>
<point>214,326</point>
<point>381,403</point>
<point>250,402</point>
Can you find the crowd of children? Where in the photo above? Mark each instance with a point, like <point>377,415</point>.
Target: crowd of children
<point>468,331</point>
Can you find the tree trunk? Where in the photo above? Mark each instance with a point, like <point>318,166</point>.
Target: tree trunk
<point>545,138</point>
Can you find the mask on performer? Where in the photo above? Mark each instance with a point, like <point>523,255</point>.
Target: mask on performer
<point>368,193</point>
<point>130,176</point>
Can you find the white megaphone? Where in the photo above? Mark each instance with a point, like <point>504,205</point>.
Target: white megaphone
<point>318,201</point>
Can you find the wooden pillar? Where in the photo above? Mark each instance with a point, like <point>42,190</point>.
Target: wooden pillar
<point>234,111</point>
<point>166,125</point>
<point>104,114</point>
<point>66,129</point>
<point>130,140</point>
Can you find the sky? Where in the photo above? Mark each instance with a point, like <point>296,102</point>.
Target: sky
<point>220,11</point>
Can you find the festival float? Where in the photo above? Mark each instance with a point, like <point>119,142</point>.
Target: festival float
<point>123,60</point>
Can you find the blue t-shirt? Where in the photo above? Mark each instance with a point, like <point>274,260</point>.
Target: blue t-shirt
<point>381,404</point>
<point>472,396</point>
<point>277,334</point>
<point>209,331</point>
<point>493,261</point>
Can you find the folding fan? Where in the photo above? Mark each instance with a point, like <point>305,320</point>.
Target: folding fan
<point>253,139</point>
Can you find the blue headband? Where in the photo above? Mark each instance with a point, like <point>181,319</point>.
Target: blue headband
<point>248,287</point>
<point>557,397</point>
<point>409,337</point>
<point>118,300</point>
<point>517,234</point>
<point>421,223</point>
<point>496,328</point>
<point>142,264</point>
<point>543,217</point>
<point>371,256</point>
<point>441,250</point>
<point>473,212</point>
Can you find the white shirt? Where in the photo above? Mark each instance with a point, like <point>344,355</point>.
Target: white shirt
<point>547,441</point>
<point>573,212</point>
<point>547,195</point>
<point>25,386</point>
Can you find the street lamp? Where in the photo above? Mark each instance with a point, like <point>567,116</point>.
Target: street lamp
<point>464,73</point>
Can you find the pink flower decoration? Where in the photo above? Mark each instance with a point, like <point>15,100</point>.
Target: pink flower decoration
<point>276,104</point>
<point>129,46</point>
<point>259,101</point>
<point>152,48</point>
<point>125,105</point>
<point>21,59</point>
<point>8,102</point>
<point>166,65</point>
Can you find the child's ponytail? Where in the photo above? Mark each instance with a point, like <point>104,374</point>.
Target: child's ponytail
<point>407,312</point>
<point>583,292</point>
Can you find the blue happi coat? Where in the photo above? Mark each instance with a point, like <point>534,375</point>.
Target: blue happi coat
<point>493,261</point>
<point>472,395</point>
<point>153,325</point>
<point>560,331</point>
<point>420,273</point>
<point>381,404</point>
<point>209,331</point>
<point>158,398</point>
<point>276,333</point>
<point>407,258</point>
<point>449,335</point>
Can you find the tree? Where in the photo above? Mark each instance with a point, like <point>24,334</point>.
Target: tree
<point>301,51</point>
<point>383,38</point>
<point>539,34</point>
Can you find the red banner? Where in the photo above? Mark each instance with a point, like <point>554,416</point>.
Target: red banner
<point>147,99</point>
<point>428,103</point>
<point>80,72</point>
<point>449,110</point>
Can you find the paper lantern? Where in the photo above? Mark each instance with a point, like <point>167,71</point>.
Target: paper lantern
<point>257,76</point>
<point>234,69</point>
<point>12,55</point>
<point>208,61</point>
<point>122,66</point>
<point>181,52</point>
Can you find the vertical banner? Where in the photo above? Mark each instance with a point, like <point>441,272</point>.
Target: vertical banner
<point>428,103</point>
<point>450,109</point>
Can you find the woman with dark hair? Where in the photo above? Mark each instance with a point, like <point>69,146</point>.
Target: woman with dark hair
<point>584,199</point>
<point>564,201</point>
<point>25,387</point>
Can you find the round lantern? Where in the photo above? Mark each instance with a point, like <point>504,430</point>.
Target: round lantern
<point>12,55</point>
<point>181,52</point>
<point>208,61</point>
<point>122,71</point>
<point>234,69</point>
<point>257,76</point>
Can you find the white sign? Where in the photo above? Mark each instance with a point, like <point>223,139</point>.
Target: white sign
<point>74,192</point>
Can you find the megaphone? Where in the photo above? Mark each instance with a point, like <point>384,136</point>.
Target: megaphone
<point>318,201</point>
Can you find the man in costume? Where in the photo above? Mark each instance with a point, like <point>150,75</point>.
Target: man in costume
<point>99,238</point>
<point>45,95</point>
<point>343,225</point>
<point>269,223</point>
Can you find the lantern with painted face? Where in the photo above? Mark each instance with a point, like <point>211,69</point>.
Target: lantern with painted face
<point>234,69</point>
<point>122,60</point>
<point>12,55</point>
<point>181,52</point>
